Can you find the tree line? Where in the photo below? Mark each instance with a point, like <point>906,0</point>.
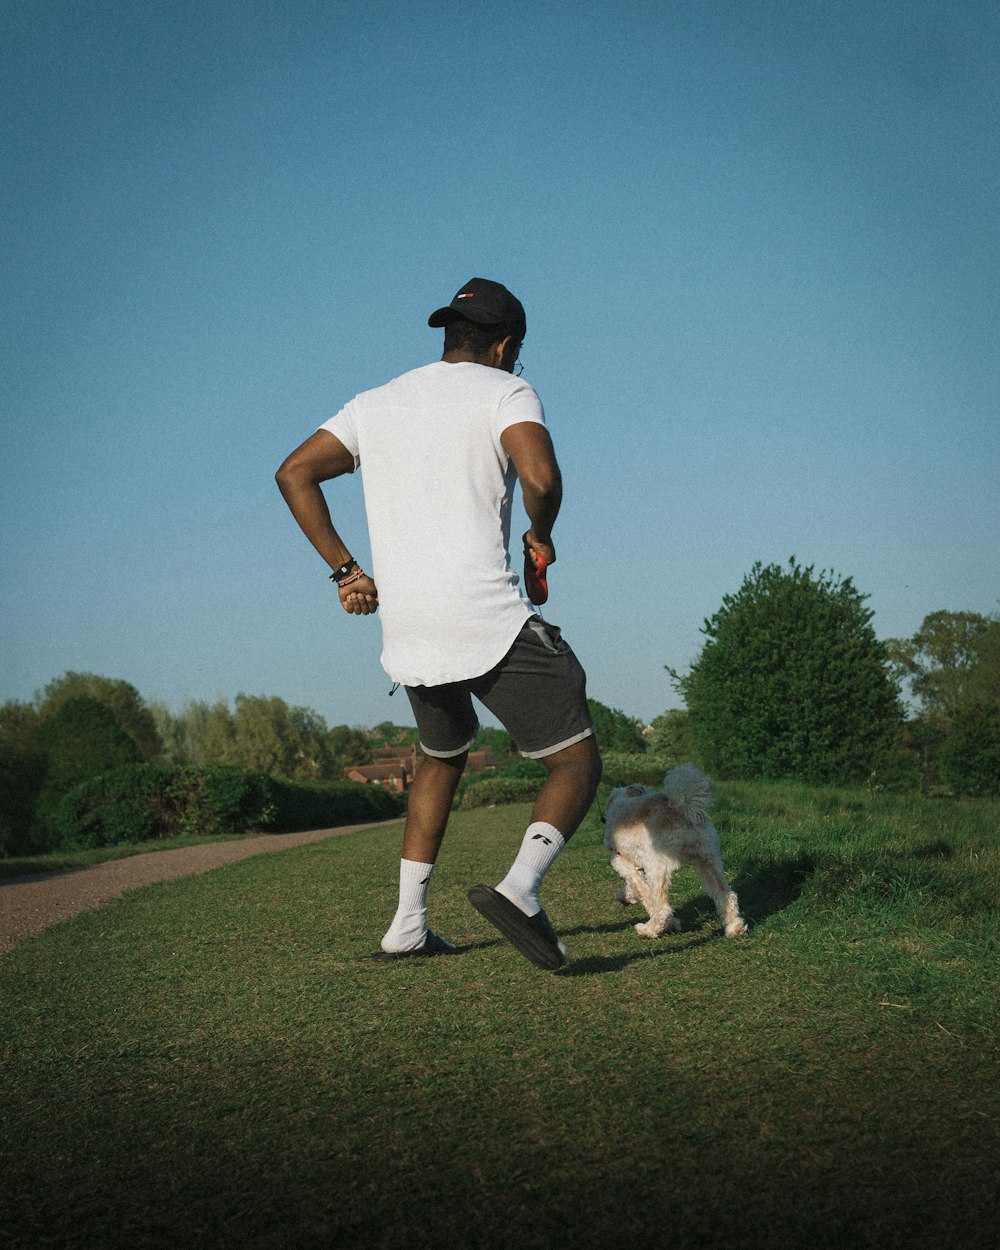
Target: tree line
<point>792,682</point>
<point>82,726</point>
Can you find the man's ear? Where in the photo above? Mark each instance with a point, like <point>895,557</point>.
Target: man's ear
<point>499,351</point>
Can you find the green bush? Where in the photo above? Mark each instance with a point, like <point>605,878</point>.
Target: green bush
<point>147,801</point>
<point>22,771</point>
<point>81,740</point>
<point>495,790</point>
<point>970,755</point>
<point>223,799</point>
<point>792,682</point>
<point>615,730</point>
<point>531,770</point>
<point>621,768</point>
<point>132,804</point>
<point>327,804</point>
<point>521,781</point>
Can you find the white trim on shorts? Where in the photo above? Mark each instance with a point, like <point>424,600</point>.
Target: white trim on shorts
<point>560,746</point>
<point>450,755</point>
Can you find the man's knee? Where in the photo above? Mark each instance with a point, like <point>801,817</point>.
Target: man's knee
<point>444,766</point>
<point>582,758</point>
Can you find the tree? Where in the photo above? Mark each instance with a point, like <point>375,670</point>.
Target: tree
<point>970,755</point>
<point>670,737</point>
<point>121,698</point>
<point>983,687</point>
<point>386,734</point>
<point>264,733</point>
<point>303,735</point>
<point>348,746</point>
<point>201,733</point>
<point>79,741</point>
<point>22,771</point>
<point>951,662</point>
<point>175,733</point>
<point>498,741</point>
<point>792,681</point>
<point>615,731</point>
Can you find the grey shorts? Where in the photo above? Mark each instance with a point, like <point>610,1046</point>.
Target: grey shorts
<point>538,692</point>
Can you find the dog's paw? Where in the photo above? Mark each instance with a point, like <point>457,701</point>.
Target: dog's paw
<point>626,896</point>
<point>647,929</point>
<point>736,927</point>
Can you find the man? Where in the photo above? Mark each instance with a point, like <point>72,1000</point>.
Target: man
<point>439,449</point>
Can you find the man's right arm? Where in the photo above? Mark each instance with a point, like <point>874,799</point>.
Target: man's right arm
<point>318,459</point>
<point>530,448</point>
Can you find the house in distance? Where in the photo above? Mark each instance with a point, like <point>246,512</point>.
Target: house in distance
<point>395,767</point>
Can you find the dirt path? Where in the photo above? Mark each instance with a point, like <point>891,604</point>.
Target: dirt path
<point>28,905</point>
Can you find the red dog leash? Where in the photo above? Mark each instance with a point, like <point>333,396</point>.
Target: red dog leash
<point>534,577</point>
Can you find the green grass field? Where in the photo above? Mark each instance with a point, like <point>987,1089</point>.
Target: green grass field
<point>213,1063</point>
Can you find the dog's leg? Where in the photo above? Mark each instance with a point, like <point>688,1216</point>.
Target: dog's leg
<point>637,887</point>
<point>661,917</point>
<point>628,871</point>
<point>639,881</point>
<point>713,878</point>
<point>627,894</point>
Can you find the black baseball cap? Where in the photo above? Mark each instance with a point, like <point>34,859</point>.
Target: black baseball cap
<point>485,302</point>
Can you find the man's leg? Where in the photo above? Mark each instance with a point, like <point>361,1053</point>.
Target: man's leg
<point>429,806</point>
<point>562,803</point>
<point>569,789</point>
<point>538,693</point>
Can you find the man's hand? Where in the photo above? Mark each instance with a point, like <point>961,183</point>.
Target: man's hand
<point>534,547</point>
<point>360,597</point>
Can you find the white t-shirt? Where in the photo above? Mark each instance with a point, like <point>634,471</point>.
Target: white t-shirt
<point>438,488</point>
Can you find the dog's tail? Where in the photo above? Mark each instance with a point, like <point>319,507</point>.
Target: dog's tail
<point>690,791</point>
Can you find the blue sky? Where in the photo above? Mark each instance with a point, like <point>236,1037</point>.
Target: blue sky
<point>756,242</point>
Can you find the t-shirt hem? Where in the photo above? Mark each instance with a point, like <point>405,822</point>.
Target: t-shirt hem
<point>448,676</point>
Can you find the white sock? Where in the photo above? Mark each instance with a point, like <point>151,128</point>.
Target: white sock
<point>409,925</point>
<point>541,844</point>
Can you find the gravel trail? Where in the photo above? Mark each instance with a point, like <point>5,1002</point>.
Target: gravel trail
<point>29,905</point>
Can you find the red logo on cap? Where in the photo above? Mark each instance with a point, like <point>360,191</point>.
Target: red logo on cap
<point>467,295</point>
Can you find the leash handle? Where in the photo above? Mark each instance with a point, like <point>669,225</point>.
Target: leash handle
<point>534,578</point>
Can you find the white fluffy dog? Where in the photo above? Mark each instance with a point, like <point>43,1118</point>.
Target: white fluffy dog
<point>650,833</point>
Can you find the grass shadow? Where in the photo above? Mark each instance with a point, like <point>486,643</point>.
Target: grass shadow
<point>673,944</point>
<point>617,927</point>
<point>766,887</point>
<point>466,948</point>
<point>29,878</point>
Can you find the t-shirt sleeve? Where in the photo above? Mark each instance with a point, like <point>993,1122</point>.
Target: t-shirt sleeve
<point>519,403</point>
<point>343,425</point>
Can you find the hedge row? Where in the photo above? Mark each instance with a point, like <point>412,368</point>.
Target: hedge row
<point>622,768</point>
<point>141,802</point>
<point>520,782</point>
<point>494,790</point>
<point>146,801</point>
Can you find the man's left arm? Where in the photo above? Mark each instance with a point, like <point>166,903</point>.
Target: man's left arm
<point>319,459</point>
<point>530,448</point>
